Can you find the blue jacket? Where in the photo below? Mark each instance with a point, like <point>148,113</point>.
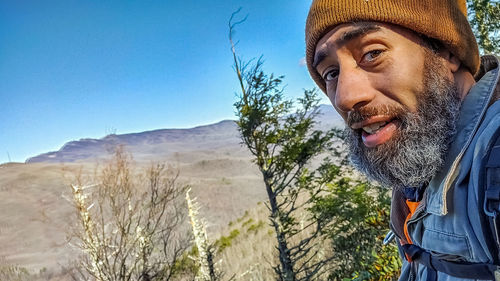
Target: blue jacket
<point>449,222</point>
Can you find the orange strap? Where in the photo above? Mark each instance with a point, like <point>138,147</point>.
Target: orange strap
<point>412,206</point>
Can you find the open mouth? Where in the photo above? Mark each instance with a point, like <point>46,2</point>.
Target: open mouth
<point>377,130</point>
<point>375,127</point>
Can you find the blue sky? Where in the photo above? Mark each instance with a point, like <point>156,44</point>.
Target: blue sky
<point>79,69</point>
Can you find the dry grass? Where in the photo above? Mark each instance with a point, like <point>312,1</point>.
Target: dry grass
<point>224,187</point>
<point>18,273</point>
<point>35,212</point>
<point>253,251</point>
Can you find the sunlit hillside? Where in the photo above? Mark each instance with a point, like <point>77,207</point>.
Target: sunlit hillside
<point>37,212</point>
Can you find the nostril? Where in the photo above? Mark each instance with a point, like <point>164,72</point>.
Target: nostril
<point>360,104</point>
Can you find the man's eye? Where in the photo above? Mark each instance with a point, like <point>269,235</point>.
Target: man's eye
<point>372,55</point>
<point>331,75</point>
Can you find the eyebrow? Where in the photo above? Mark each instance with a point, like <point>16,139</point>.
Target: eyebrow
<point>360,30</point>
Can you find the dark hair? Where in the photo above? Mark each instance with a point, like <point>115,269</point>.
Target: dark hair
<point>433,44</point>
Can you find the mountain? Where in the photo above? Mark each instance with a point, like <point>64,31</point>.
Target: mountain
<point>149,145</point>
<point>219,138</point>
<point>37,210</point>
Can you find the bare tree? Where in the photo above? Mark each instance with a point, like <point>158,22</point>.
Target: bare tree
<point>207,269</point>
<point>128,224</point>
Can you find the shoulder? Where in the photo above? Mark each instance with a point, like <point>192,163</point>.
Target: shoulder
<point>493,146</point>
<point>486,154</point>
<point>485,147</point>
<point>489,131</point>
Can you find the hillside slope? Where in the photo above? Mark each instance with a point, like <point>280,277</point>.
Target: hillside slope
<point>36,213</point>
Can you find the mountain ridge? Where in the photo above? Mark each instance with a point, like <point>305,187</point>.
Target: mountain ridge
<point>165,143</point>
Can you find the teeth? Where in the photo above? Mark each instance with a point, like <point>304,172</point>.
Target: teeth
<point>370,129</point>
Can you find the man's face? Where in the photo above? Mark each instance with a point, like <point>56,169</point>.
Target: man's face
<point>399,102</point>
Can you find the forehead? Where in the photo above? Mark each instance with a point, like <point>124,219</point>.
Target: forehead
<point>344,33</point>
<point>348,31</point>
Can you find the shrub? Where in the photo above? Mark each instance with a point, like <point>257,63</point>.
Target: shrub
<point>359,214</point>
<point>128,224</point>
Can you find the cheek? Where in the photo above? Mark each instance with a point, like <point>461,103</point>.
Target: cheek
<point>331,97</point>
<point>330,93</point>
<point>400,84</point>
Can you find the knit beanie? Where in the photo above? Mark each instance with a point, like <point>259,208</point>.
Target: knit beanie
<point>444,20</point>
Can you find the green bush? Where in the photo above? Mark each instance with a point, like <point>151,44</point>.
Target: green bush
<point>226,241</point>
<point>186,265</point>
<point>359,214</point>
<point>247,222</point>
<point>256,226</point>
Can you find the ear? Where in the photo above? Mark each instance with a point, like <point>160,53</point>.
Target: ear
<point>451,61</point>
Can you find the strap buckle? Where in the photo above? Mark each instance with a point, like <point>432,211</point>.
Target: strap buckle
<point>389,237</point>
<point>492,201</point>
<point>492,181</point>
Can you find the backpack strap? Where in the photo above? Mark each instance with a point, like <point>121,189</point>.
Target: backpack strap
<point>481,271</point>
<point>492,191</point>
<point>466,270</point>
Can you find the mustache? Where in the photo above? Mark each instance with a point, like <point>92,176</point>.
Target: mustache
<point>365,112</point>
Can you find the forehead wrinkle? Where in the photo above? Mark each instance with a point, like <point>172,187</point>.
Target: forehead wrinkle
<point>359,30</point>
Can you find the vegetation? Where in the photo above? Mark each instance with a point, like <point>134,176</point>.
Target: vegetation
<point>205,250</point>
<point>328,222</point>
<point>16,273</point>
<point>129,226</point>
<point>19,273</point>
<point>360,213</point>
<point>226,241</point>
<point>283,142</point>
<point>318,202</point>
<point>484,16</point>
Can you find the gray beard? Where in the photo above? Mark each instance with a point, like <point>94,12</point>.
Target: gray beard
<point>417,151</point>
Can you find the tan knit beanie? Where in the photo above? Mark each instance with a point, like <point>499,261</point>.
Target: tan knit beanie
<point>445,20</point>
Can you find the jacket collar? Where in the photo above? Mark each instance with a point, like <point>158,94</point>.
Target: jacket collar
<point>471,113</point>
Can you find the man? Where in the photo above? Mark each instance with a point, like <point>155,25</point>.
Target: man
<point>422,118</point>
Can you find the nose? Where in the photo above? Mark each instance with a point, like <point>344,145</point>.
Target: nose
<point>353,90</point>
